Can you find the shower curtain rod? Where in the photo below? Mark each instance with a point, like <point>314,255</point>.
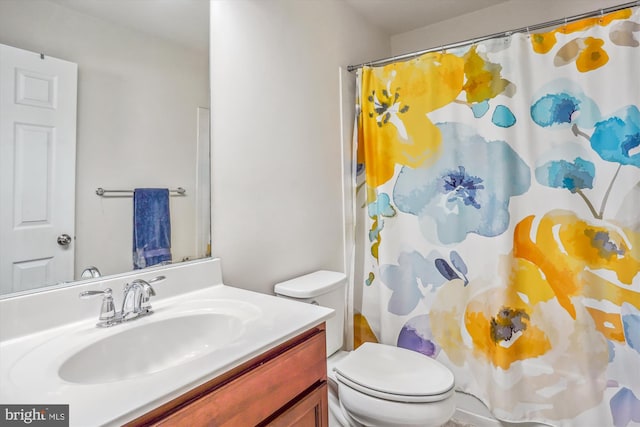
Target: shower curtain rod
<point>548,24</point>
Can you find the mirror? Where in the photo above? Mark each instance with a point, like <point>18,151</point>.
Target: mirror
<point>142,121</point>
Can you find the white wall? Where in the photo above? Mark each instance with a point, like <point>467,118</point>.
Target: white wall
<point>507,16</point>
<point>276,138</point>
<point>137,102</point>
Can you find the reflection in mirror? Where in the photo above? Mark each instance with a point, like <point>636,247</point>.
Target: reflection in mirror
<point>99,94</point>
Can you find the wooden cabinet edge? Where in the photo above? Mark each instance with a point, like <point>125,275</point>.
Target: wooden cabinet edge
<point>166,410</point>
<point>312,409</point>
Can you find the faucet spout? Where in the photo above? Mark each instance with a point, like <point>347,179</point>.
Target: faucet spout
<point>132,300</point>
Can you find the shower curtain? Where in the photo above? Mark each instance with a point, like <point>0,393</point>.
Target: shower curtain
<point>498,218</point>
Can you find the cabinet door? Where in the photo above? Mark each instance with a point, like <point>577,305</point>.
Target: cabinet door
<point>310,411</point>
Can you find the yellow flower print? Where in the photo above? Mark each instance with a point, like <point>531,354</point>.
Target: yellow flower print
<point>502,326</point>
<point>587,23</point>
<point>362,331</point>
<point>544,42</point>
<point>587,53</point>
<point>568,251</point>
<point>464,320</point>
<point>499,323</point>
<point>483,78</point>
<point>394,127</point>
<point>552,272</point>
<point>593,56</point>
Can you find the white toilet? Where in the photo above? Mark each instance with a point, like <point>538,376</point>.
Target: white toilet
<point>376,384</point>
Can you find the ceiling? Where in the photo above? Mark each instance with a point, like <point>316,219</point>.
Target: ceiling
<point>399,16</point>
<point>186,21</point>
<point>182,21</point>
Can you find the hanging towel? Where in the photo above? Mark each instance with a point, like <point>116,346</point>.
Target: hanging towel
<point>151,227</point>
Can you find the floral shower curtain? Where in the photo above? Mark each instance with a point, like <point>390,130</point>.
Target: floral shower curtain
<point>499,203</point>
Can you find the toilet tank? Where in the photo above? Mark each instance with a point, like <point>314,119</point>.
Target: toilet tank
<point>323,288</point>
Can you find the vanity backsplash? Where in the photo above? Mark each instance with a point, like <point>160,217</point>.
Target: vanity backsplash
<point>29,313</point>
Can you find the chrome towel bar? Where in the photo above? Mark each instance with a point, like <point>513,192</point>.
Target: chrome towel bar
<point>124,193</point>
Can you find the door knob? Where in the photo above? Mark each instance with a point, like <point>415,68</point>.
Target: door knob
<point>64,239</point>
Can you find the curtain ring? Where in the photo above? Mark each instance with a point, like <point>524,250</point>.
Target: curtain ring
<point>601,16</point>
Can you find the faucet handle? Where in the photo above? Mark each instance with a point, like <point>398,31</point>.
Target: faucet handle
<point>108,308</point>
<point>90,294</point>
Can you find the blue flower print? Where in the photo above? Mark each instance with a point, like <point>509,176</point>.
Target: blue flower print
<point>563,103</point>
<point>625,408</point>
<point>617,139</point>
<point>467,190</point>
<point>459,185</point>
<point>563,174</point>
<point>631,323</point>
<point>381,207</point>
<point>378,210</point>
<point>416,335</point>
<point>448,272</point>
<point>503,117</point>
<point>553,109</point>
<point>479,109</point>
<point>404,280</point>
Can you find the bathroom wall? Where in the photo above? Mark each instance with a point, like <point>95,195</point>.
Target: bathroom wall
<point>131,128</point>
<point>506,16</point>
<point>277,168</point>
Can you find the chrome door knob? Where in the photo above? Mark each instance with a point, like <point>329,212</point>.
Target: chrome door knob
<point>64,239</point>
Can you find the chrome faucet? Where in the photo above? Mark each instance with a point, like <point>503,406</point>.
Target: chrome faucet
<point>132,300</point>
<point>90,272</point>
<point>135,302</point>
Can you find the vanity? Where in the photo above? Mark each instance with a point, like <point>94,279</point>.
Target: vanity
<point>285,386</point>
<point>210,354</point>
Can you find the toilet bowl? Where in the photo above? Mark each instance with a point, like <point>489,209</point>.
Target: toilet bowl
<point>375,384</point>
<point>381,385</point>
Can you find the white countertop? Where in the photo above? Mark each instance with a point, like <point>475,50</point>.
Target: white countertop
<point>29,363</point>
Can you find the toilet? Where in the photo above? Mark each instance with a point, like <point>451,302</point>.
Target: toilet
<point>375,384</point>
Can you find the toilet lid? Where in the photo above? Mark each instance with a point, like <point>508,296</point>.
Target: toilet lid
<point>395,373</point>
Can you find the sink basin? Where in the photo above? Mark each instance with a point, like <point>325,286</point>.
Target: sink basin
<point>151,347</point>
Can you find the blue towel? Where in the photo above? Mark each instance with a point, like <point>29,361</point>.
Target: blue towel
<point>151,227</point>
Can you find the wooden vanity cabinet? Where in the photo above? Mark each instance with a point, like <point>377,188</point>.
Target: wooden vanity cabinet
<point>285,386</point>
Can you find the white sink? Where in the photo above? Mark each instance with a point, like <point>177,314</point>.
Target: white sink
<point>173,336</point>
<point>151,347</point>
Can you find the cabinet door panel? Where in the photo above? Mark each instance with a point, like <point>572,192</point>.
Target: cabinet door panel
<point>311,411</point>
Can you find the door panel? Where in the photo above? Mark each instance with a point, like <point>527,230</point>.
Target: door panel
<point>36,89</point>
<point>38,96</point>
<point>32,179</point>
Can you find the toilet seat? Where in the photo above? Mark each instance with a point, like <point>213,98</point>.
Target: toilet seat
<point>395,374</point>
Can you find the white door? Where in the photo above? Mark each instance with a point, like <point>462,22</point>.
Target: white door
<point>38,96</point>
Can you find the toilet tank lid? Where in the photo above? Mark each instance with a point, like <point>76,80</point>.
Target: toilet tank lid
<point>311,285</point>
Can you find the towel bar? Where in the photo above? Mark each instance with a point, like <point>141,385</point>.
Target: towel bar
<point>102,192</point>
